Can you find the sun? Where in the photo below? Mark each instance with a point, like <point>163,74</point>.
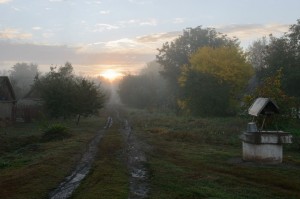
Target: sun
<point>110,74</point>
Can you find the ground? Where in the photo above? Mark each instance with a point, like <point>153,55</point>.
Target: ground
<point>145,155</point>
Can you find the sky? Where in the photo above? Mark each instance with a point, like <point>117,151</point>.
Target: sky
<point>123,35</point>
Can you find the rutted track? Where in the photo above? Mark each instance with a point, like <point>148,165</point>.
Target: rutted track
<point>66,188</point>
<point>136,160</point>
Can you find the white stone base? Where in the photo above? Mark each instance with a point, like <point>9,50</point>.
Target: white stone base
<point>267,153</point>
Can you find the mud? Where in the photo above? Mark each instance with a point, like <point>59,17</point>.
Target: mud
<point>136,164</point>
<point>66,188</point>
<point>134,156</point>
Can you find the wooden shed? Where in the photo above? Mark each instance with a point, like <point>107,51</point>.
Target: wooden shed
<point>7,100</point>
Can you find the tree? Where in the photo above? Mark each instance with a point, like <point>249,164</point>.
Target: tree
<point>66,95</point>
<point>272,88</point>
<point>227,64</point>
<point>256,54</point>
<point>226,71</point>
<point>135,91</point>
<point>146,90</point>
<point>22,77</point>
<point>284,52</point>
<point>174,55</point>
<point>89,98</point>
<point>204,95</point>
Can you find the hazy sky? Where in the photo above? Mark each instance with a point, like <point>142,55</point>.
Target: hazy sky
<point>124,34</point>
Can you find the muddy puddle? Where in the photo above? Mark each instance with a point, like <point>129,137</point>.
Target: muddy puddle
<point>136,160</point>
<point>67,187</point>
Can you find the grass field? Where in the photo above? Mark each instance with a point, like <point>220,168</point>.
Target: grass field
<point>187,158</point>
<point>201,158</point>
<point>30,167</point>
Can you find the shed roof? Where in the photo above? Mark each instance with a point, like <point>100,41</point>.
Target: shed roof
<point>5,83</point>
<point>263,106</point>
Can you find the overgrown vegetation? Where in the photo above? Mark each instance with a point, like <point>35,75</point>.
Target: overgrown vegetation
<point>201,158</point>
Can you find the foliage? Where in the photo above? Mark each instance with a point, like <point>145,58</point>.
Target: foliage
<point>22,77</point>
<point>174,55</point>
<point>55,132</point>
<point>283,53</point>
<point>89,96</point>
<point>66,95</point>
<point>222,76</point>
<point>256,54</point>
<point>204,95</point>
<point>137,91</point>
<point>146,90</point>
<point>272,88</point>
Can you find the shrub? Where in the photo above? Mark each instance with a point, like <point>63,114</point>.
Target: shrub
<point>55,132</point>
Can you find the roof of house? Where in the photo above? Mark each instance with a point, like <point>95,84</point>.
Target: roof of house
<point>9,95</point>
<point>263,106</point>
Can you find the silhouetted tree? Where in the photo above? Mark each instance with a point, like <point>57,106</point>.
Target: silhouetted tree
<point>146,90</point>
<point>284,52</point>
<point>66,95</point>
<point>22,77</point>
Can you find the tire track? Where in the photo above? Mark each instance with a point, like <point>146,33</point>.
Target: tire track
<point>67,187</point>
<point>136,160</point>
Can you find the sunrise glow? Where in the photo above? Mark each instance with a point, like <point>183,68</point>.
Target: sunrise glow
<point>111,74</point>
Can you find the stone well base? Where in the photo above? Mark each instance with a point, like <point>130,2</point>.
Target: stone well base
<point>266,153</point>
<point>264,146</point>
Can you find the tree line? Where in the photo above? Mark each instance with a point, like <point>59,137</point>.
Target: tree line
<point>206,73</point>
<point>63,94</point>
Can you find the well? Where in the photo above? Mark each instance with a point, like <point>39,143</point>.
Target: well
<point>261,145</point>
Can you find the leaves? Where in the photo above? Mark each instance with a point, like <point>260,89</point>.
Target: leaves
<point>176,54</point>
<point>215,81</point>
<point>66,95</point>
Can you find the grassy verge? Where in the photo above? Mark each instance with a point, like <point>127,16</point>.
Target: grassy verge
<point>30,168</point>
<point>201,158</point>
<point>108,177</point>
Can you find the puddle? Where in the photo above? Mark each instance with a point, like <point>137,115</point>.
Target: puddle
<point>67,187</point>
<point>136,159</point>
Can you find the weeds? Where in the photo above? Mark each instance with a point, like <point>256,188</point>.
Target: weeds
<point>55,132</point>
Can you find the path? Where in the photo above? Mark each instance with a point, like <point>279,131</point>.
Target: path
<point>66,188</point>
<point>136,159</point>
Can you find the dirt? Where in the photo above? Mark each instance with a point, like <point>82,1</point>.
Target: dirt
<point>136,164</point>
<point>135,159</point>
<point>66,188</point>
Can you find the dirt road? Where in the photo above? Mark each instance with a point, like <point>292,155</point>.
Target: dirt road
<point>135,162</point>
<point>66,188</point>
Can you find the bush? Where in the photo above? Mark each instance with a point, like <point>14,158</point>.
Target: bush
<point>55,132</point>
